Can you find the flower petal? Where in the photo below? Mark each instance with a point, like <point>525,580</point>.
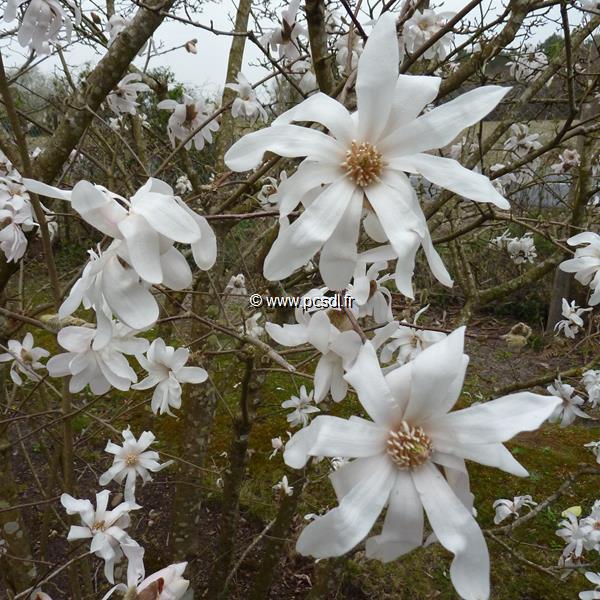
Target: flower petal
<point>143,247</point>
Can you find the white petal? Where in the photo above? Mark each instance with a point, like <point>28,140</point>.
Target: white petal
<point>412,94</point>
<point>374,394</point>
<point>376,78</point>
<point>333,436</point>
<point>403,525</point>
<point>345,526</point>
<point>298,243</point>
<point>457,531</point>
<point>285,140</point>
<point>287,335</point>
<point>143,246</point>
<point>449,174</point>
<point>493,422</point>
<point>177,274</point>
<point>191,375</point>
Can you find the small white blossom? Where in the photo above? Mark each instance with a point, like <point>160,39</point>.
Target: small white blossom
<point>252,327</point>
<point>25,359</point>
<point>591,577</point>
<point>284,39</point>
<point>191,46</point>
<point>572,322</point>
<point>586,263</point>
<point>283,487</point>
<point>505,508</point>
<point>277,444</point>
<point>569,410</point>
<point>16,217</point>
<point>574,534</point>
<point>372,298</point>
<point>349,49</point>
<point>526,65</point>
<point>105,527</point>
<point>591,381</point>
<point>421,27</point>
<point>269,196</point>
<point>123,99</point>
<point>185,119</point>
<point>246,104</point>
<point>521,142</point>
<point>183,185</point>
<point>236,286</point>
<point>132,459</point>
<point>302,406</point>
<point>522,250</point>
<point>167,371</point>
<point>595,448</point>
<point>568,160</point>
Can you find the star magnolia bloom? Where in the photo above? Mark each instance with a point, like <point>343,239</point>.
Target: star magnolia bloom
<point>105,527</point>
<point>338,348</point>
<point>402,455</point>
<point>236,286</point>
<point>406,340</point>
<point>525,66</point>
<point>572,322</point>
<point>521,142</point>
<point>361,165</point>
<point>421,27</point>
<point>568,160</point>
<point>246,105</point>
<point>96,359</point>
<point>269,193</point>
<point>166,584</point>
<point>586,263</point>
<point>505,508</point>
<point>284,39</point>
<point>183,185</point>
<point>15,218</point>
<point>521,250</point>
<point>185,119</point>
<point>123,99</point>
<point>591,381</point>
<point>42,22</point>
<point>25,359</point>
<point>302,406</point>
<point>595,593</point>
<point>568,410</point>
<point>252,327</point>
<point>153,219</point>
<point>372,298</point>
<point>132,459</point>
<point>595,448</point>
<point>166,371</point>
<point>575,534</point>
<point>284,487</point>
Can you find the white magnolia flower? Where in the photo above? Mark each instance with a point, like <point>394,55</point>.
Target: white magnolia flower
<point>591,577</point>
<point>572,322</point>
<point>591,381</point>
<point>114,26</point>
<point>236,286</point>
<point>501,240</point>
<point>167,371</point>
<point>283,487</point>
<point>246,104</point>
<point>16,217</point>
<point>592,542</point>
<point>185,120</point>
<point>42,22</point>
<point>191,46</point>
<point>303,407</point>
<point>123,99</point>
<point>337,346</point>
<point>115,123</point>
<point>252,327</point>
<point>183,185</point>
<point>568,410</point>
<point>568,160</point>
<point>302,72</point>
<point>410,457</point>
<point>25,359</point>
<point>166,584</point>
<point>269,196</point>
<point>521,142</point>
<point>277,444</point>
<point>105,527</point>
<point>586,263</point>
<point>148,224</point>
<point>575,534</point>
<point>367,291</point>
<point>527,65</point>
<point>367,154</point>
<point>522,250</point>
<point>595,448</point>
<point>349,49</point>
<point>505,508</point>
<point>132,459</point>
<point>407,341</point>
<point>284,39</point>
<point>96,357</point>
<point>421,27</point>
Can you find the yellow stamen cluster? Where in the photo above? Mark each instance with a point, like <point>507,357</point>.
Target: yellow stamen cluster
<point>131,460</point>
<point>99,526</point>
<point>408,446</point>
<point>363,163</point>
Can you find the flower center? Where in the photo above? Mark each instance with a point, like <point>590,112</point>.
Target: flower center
<point>131,460</point>
<point>26,356</point>
<point>408,446</point>
<point>363,163</point>
<point>99,526</point>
